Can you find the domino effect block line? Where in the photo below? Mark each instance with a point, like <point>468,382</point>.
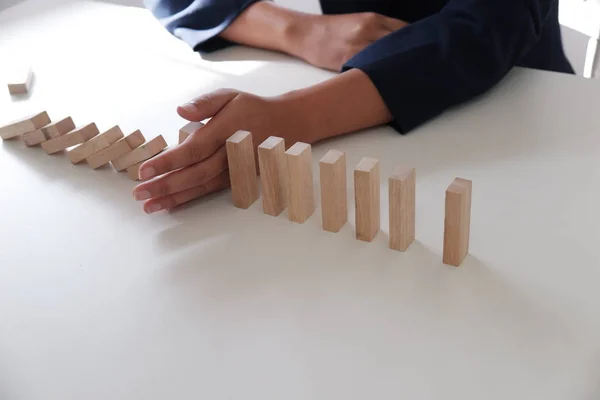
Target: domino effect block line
<point>273,175</point>
<point>301,196</point>
<point>21,82</point>
<point>24,125</point>
<point>94,145</point>
<point>116,150</point>
<point>402,208</point>
<point>334,201</point>
<point>242,169</point>
<point>73,138</point>
<point>367,199</point>
<point>50,131</point>
<point>189,129</point>
<point>141,153</point>
<point>457,221</point>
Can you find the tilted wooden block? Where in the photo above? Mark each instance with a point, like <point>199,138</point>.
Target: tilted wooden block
<point>21,81</point>
<point>334,200</point>
<point>242,169</point>
<point>402,208</point>
<point>457,222</point>
<point>301,193</point>
<point>367,198</point>
<point>73,138</point>
<point>133,171</point>
<point>273,175</point>
<point>24,125</point>
<point>102,141</point>
<point>142,153</point>
<point>34,138</point>
<point>59,128</point>
<point>188,129</point>
<point>116,150</point>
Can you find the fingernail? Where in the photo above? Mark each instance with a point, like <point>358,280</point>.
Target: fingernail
<point>147,173</point>
<point>153,208</point>
<point>190,107</point>
<point>144,195</point>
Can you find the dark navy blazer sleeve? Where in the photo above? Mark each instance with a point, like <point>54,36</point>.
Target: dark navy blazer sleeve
<point>198,22</point>
<point>451,56</point>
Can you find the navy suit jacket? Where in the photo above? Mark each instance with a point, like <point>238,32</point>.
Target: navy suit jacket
<point>452,51</point>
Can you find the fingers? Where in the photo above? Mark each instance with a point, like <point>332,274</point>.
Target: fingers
<point>207,105</point>
<point>171,201</point>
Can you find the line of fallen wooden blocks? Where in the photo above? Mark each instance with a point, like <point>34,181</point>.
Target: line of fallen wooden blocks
<point>286,180</point>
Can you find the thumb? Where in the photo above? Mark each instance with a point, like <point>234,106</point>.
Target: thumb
<point>206,106</point>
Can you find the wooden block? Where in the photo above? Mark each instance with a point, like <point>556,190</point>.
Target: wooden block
<point>334,201</point>
<point>133,171</point>
<point>21,82</point>
<point>367,198</point>
<point>34,138</point>
<point>116,150</point>
<point>242,169</point>
<point>142,153</point>
<point>273,175</point>
<point>73,138</point>
<point>24,125</point>
<point>59,128</point>
<point>188,129</point>
<point>457,222</point>
<point>402,208</point>
<point>301,194</point>
<point>102,141</point>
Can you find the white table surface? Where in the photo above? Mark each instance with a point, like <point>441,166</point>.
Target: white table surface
<point>100,301</point>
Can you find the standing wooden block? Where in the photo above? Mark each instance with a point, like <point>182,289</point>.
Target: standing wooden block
<point>457,223</point>
<point>24,125</point>
<point>78,136</point>
<point>116,150</point>
<point>133,171</point>
<point>367,198</point>
<point>188,129</point>
<point>334,201</point>
<point>21,81</point>
<point>102,141</point>
<point>242,169</point>
<point>59,128</point>
<point>301,194</point>
<point>402,208</point>
<point>273,175</point>
<point>142,153</point>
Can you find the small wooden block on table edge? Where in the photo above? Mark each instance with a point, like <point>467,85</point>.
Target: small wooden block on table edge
<point>334,200</point>
<point>402,208</point>
<point>457,221</point>
<point>24,125</point>
<point>73,138</point>
<point>242,169</point>
<point>188,129</point>
<point>301,194</point>
<point>94,145</point>
<point>367,199</point>
<point>22,83</point>
<point>141,153</point>
<point>273,175</point>
<point>116,150</point>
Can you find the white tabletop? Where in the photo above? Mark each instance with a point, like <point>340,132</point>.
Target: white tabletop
<point>100,301</point>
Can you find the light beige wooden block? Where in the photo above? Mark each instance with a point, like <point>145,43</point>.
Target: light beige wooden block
<point>402,186</point>
<point>242,169</point>
<point>188,129</point>
<point>116,150</point>
<point>102,141</point>
<point>273,175</point>
<point>142,153</point>
<point>34,138</point>
<point>133,171</point>
<point>24,125</point>
<point>334,201</point>
<point>367,199</point>
<point>21,81</point>
<point>457,222</point>
<point>301,193</point>
<point>73,138</point>
<point>58,128</point>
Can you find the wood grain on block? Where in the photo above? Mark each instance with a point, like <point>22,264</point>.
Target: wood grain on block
<point>301,194</point>
<point>102,141</point>
<point>273,175</point>
<point>367,198</point>
<point>73,138</point>
<point>133,171</point>
<point>457,222</point>
<point>116,150</point>
<point>21,81</point>
<point>334,201</point>
<point>242,169</point>
<point>402,208</point>
<point>188,129</point>
<point>24,125</point>
<point>59,128</point>
<point>141,153</point>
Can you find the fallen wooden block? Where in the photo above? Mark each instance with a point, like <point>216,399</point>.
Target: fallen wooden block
<point>367,198</point>
<point>334,200</point>
<point>73,138</point>
<point>242,169</point>
<point>402,208</point>
<point>24,125</point>
<point>116,150</point>
<point>94,145</point>
<point>142,153</point>
<point>133,171</point>
<point>301,194</point>
<point>188,129</point>
<point>59,128</point>
<point>457,222</point>
<point>34,138</point>
<point>21,81</point>
<point>273,175</point>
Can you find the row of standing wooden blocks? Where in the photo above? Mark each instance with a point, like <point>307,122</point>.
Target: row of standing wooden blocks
<point>286,180</point>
